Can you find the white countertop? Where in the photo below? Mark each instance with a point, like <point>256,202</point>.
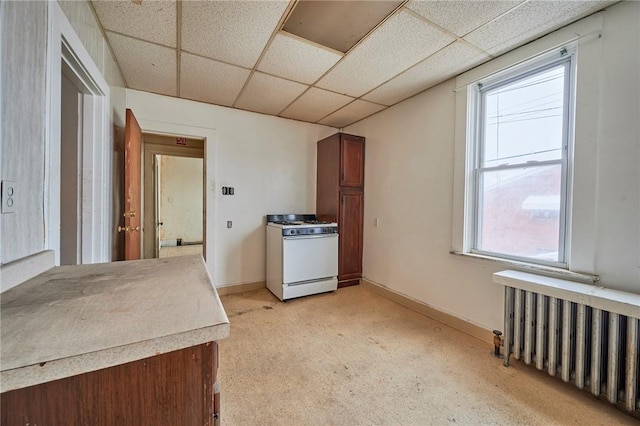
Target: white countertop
<point>75,319</point>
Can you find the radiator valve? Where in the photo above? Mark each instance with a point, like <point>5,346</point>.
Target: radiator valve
<point>497,342</point>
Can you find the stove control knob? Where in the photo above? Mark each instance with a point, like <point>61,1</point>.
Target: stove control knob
<point>311,231</point>
<point>293,232</point>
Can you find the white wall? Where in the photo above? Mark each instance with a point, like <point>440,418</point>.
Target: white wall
<point>181,180</point>
<point>25,28</point>
<point>270,162</point>
<point>617,258</point>
<point>22,143</point>
<point>409,186</point>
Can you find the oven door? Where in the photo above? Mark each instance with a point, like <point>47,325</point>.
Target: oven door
<point>308,258</point>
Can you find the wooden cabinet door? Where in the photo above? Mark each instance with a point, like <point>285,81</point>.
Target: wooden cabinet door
<point>350,229</point>
<point>174,388</point>
<point>352,161</point>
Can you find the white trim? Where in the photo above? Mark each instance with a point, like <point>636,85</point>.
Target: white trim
<point>582,228</point>
<point>549,271</point>
<point>476,140</point>
<point>52,156</point>
<point>96,145</point>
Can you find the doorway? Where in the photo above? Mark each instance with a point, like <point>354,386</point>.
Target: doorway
<point>79,138</point>
<point>81,198</point>
<point>173,202</point>
<point>178,191</point>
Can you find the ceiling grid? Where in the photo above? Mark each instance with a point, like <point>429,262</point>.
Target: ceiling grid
<point>266,48</point>
<point>237,54</point>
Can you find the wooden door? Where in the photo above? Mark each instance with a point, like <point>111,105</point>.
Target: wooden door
<point>132,177</point>
<point>352,161</point>
<point>350,229</point>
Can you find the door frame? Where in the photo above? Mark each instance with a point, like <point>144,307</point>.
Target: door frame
<point>209,137</point>
<point>64,45</point>
<point>149,188</point>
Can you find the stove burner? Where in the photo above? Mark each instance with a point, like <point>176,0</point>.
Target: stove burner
<point>317,222</point>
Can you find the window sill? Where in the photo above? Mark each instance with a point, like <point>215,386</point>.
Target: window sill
<point>532,267</point>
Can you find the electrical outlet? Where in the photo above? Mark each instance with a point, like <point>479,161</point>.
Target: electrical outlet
<point>229,224</point>
<point>376,222</point>
<point>225,190</point>
<point>231,190</point>
<point>8,190</point>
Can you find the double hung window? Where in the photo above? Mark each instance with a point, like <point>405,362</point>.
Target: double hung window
<point>520,131</point>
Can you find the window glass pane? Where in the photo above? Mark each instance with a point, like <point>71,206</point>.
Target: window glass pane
<point>522,120</point>
<point>519,212</point>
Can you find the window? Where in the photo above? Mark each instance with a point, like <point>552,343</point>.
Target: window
<point>520,129</point>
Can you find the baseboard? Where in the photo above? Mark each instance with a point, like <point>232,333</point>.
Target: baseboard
<point>428,311</point>
<point>26,268</point>
<point>239,288</point>
<point>348,283</point>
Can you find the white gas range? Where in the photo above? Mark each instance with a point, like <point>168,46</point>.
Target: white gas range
<point>302,255</point>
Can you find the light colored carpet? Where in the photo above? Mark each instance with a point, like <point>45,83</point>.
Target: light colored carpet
<point>355,358</point>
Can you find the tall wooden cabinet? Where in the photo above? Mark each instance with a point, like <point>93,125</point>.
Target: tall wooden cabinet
<point>340,198</point>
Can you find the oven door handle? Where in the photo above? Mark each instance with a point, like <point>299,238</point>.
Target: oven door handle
<point>309,237</point>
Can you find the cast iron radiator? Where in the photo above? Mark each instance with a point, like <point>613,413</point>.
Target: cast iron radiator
<point>583,334</point>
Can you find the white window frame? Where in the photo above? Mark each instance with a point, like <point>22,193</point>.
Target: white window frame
<point>586,36</point>
<point>475,140</point>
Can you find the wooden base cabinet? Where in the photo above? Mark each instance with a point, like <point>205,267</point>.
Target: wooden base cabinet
<point>175,388</point>
<point>340,198</point>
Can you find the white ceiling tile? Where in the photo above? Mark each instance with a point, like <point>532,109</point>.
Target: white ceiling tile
<point>461,17</point>
<point>356,110</point>
<point>399,43</point>
<point>315,104</point>
<point>446,63</point>
<point>230,31</point>
<point>149,20</point>
<point>528,22</point>
<point>146,66</point>
<point>291,57</point>
<point>268,94</point>
<point>210,81</point>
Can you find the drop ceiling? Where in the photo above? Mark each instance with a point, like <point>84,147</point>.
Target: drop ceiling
<point>372,55</point>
